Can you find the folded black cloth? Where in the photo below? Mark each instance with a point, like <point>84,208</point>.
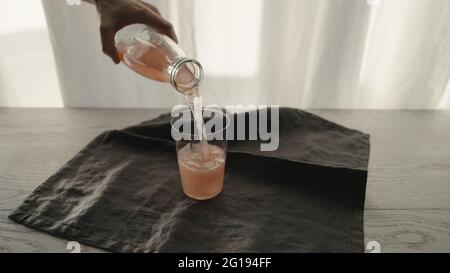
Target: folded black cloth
<point>122,193</point>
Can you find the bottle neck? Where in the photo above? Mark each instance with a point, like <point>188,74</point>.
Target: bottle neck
<point>185,75</point>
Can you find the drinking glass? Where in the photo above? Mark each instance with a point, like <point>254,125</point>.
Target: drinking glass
<point>201,157</point>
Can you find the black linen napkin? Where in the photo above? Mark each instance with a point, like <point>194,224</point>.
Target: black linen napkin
<point>122,193</point>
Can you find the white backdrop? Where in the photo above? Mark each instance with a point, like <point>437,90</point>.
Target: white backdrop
<point>27,68</point>
<point>300,53</point>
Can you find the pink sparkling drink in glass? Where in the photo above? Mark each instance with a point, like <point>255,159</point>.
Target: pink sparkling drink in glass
<point>202,172</point>
<point>202,162</point>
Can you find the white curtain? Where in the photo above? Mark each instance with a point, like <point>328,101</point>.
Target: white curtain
<point>28,75</point>
<point>299,53</point>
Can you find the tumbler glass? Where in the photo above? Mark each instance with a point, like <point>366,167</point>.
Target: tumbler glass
<point>201,161</point>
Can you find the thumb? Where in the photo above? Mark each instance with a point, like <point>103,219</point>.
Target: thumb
<point>107,34</point>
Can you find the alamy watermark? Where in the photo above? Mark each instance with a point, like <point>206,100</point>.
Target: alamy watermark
<point>73,2</point>
<point>373,247</point>
<point>78,2</point>
<point>373,2</point>
<point>73,247</point>
<point>256,123</point>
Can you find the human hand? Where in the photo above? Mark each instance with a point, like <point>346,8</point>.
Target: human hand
<point>116,14</point>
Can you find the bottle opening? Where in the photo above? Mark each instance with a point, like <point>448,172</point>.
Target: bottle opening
<point>185,75</point>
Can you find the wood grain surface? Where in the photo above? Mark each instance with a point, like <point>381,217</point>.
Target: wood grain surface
<point>408,189</point>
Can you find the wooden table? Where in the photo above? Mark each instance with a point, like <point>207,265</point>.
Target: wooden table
<point>408,190</point>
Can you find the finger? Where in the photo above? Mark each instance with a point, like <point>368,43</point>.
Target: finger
<point>157,22</point>
<point>107,34</point>
<point>170,31</point>
<point>166,28</point>
<point>152,8</point>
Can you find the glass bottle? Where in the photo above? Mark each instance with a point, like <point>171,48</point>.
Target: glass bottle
<point>157,57</point>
